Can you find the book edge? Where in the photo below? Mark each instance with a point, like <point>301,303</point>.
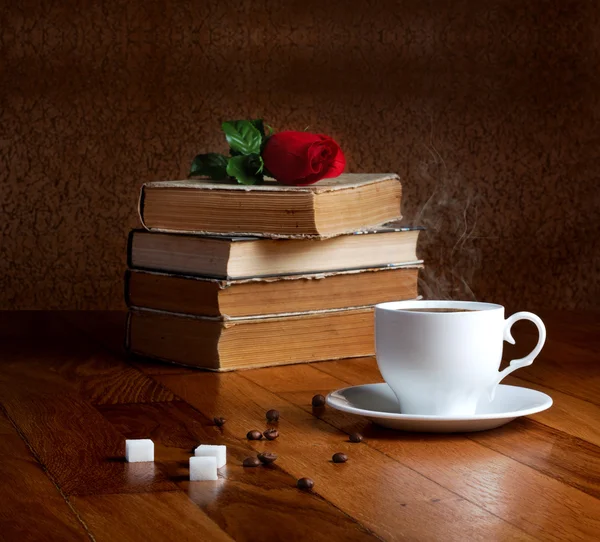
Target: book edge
<point>205,184</point>
<point>234,237</point>
<point>227,282</point>
<point>238,320</point>
<point>265,235</point>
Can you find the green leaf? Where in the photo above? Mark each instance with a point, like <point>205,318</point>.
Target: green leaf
<point>254,163</point>
<point>258,124</point>
<point>212,165</point>
<point>242,136</point>
<point>244,169</point>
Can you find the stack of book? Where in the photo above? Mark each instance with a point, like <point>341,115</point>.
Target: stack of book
<point>230,276</point>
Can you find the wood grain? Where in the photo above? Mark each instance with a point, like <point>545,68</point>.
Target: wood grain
<point>575,329</point>
<point>494,481</point>
<point>248,504</point>
<point>106,329</point>
<point>65,355</point>
<point>72,399</point>
<point>559,455</point>
<point>154,367</point>
<point>569,414</point>
<point>83,453</point>
<point>31,507</point>
<point>569,360</point>
<point>384,495</point>
<point>146,516</point>
<point>580,380</point>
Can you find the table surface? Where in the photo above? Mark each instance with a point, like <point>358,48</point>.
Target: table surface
<point>69,397</point>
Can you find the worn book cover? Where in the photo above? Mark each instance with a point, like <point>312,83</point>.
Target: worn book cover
<point>243,343</point>
<point>236,257</point>
<point>331,207</point>
<point>231,298</point>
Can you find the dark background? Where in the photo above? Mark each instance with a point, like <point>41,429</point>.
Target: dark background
<point>488,110</point>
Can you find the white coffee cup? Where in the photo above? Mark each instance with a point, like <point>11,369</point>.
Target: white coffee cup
<point>443,363</point>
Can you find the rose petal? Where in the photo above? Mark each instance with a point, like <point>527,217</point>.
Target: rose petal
<point>286,156</point>
<point>302,158</point>
<point>315,155</point>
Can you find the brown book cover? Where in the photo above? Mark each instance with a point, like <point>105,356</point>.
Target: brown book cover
<point>350,202</point>
<point>245,343</point>
<point>202,296</point>
<point>229,257</point>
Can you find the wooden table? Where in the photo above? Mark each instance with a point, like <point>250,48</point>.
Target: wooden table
<point>69,398</point>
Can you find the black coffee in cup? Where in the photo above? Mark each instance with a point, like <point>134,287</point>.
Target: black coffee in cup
<point>437,310</point>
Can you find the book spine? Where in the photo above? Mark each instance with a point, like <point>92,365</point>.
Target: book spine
<point>141,206</point>
<point>130,248</point>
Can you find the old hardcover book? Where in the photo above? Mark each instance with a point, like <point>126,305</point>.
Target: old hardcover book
<point>285,294</point>
<point>224,345</point>
<point>251,257</point>
<point>350,202</point>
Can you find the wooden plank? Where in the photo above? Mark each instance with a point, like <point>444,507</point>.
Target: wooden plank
<point>67,355</point>
<point>577,328</point>
<point>494,481</point>
<point>568,414</point>
<point>147,516</point>
<point>32,507</point>
<point>248,504</point>
<point>107,329</point>
<point>576,374</point>
<point>352,371</point>
<point>80,449</point>
<point>152,367</point>
<point>563,365</point>
<point>384,495</point>
<point>556,350</point>
<point>566,458</point>
<point>581,380</point>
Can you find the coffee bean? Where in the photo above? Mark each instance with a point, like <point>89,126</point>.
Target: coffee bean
<point>318,400</point>
<point>271,434</point>
<point>356,437</point>
<point>272,415</point>
<point>255,434</point>
<point>251,462</point>
<point>219,422</point>
<point>267,457</point>
<point>305,483</point>
<point>339,458</point>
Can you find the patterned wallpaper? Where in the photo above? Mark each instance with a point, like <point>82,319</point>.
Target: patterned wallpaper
<point>488,110</point>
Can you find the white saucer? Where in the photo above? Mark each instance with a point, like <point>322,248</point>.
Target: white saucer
<point>378,403</point>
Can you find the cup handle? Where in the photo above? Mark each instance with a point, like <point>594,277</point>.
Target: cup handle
<point>528,359</point>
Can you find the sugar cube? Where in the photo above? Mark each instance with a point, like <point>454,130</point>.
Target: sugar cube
<point>217,451</point>
<point>203,468</point>
<point>139,450</point>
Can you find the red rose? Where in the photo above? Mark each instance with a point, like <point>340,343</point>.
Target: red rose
<point>301,158</point>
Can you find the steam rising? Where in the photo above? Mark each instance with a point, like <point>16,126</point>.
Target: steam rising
<point>448,246</point>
